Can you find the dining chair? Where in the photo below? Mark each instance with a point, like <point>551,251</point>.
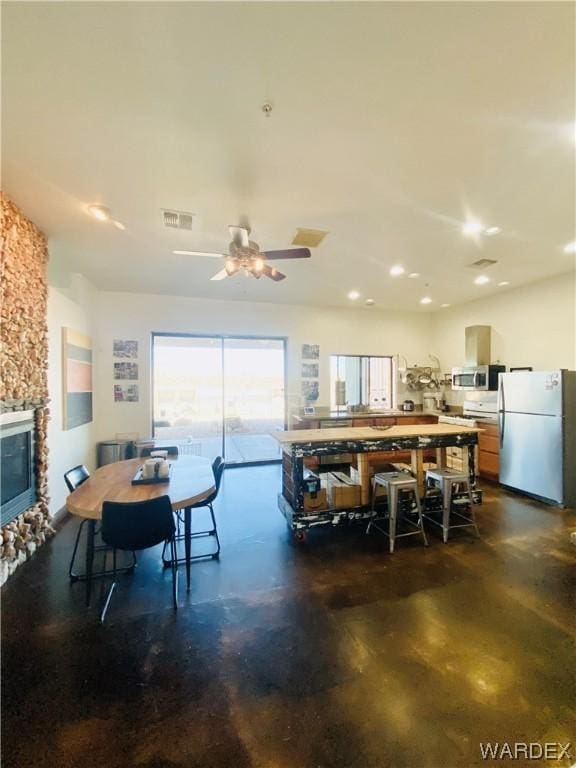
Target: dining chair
<point>137,525</point>
<point>218,467</point>
<point>74,478</point>
<point>171,449</point>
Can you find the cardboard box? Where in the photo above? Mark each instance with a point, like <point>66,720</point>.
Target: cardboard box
<point>342,491</point>
<point>315,501</point>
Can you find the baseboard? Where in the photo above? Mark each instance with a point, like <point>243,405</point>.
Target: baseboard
<point>59,517</point>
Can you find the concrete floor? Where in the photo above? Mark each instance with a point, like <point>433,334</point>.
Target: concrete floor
<point>331,654</point>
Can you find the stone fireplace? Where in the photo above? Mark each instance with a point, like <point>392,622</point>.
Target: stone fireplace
<point>23,387</point>
<point>17,469</point>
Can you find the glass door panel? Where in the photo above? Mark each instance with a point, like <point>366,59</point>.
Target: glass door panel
<point>254,398</point>
<point>188,394</point>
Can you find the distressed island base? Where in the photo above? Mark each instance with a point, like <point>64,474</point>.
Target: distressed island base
<point>366,443</point>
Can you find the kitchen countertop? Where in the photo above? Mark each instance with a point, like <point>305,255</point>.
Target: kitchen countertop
<point>359,434</point>
<point>326,415</point>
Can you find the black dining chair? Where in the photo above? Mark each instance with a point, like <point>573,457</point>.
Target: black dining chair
<point>171,449</point>
<point>218,467</point>
<point>139,525</point>
<point>74,478</point>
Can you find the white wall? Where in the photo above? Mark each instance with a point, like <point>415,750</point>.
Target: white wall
<point>135,316</point>
<point>534,325</point>
<point>72,306</point>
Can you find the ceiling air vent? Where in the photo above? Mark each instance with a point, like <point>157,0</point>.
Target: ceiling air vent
<point>177,219</point>
<point>482,263</point>
<point>309,238</point>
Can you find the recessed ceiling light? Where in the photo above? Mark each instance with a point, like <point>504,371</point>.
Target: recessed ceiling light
<point>353,295</point>
<point>119,225</point>
<point>491,231</point>
<point>444,305</point>
<point>414,275</point>
<point>426,300</point>
<point>472,227</point>
<point>396,270</point>
<point>369,302</point>
<point>99,212</point>
<point>502,283</point>
<point>570,247</point>
<point>482,280</point>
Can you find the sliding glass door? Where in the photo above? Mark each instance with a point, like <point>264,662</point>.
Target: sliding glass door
<point>216,395</point>
<point>254,398</point>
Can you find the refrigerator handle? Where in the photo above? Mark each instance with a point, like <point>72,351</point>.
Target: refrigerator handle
<point>501,411</point>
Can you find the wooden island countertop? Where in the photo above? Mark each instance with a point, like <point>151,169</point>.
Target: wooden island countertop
<point>361,434</point>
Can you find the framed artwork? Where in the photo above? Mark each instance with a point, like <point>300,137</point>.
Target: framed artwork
<point>125,348</point>
<point>126,393</point>
<point>310,370</point>
<point>310,351</point>
<point>126,371</point>
<point>310,391</point>
<point>77,393</point>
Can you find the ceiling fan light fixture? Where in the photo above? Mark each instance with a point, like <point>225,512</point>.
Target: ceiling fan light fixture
<point>231,266</point>
<point>258,265</point>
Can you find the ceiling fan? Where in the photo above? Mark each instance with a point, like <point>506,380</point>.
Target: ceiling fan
<point>244,255</point>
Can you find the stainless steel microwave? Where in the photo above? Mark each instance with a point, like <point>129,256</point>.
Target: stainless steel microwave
<point>482,377</point>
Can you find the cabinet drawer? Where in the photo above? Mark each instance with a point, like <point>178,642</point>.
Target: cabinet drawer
<point>488,464</point>
<point>364,422</point>
<point>490,430</point>
<point>489,443</point>
<point>380,421</point>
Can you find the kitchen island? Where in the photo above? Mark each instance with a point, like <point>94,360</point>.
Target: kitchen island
<point>366,443</point>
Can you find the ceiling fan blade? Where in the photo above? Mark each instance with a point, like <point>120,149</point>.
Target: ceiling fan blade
<point>209,254</point>
<point>220,275</point>
<point>289,253</point>
<point>239,235</point>
<point>272,273</point>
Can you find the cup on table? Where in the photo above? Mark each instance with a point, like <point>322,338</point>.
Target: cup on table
<point>155,467</point>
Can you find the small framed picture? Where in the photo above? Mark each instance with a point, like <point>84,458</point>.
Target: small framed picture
<point>125,348</point>
<point>310,370</point>
<point>310,390</point>
<point>125,370</point>
<point>309,410</point>
<point>311,351</point>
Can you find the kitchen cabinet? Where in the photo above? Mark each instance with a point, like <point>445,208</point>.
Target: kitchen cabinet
<point>489,452</point>
<point>423,419</point>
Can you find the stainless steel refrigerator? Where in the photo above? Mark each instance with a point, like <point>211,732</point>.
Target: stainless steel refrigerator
<point>537,418</point>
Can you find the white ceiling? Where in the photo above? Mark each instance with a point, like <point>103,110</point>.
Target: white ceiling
<point>392,123</point>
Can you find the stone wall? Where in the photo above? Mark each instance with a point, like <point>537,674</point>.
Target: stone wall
<point>24,366</point>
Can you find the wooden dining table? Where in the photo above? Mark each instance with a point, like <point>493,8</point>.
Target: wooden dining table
<point>191,482</point>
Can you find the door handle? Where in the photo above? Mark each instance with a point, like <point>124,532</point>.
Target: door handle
<point>501,411</point>
<point>476,376</point>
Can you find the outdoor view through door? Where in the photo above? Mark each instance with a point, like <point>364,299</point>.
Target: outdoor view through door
<point>219,396</point>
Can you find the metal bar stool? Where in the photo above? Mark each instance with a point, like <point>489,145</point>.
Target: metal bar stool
<point>218,466</point>
<point>394,483</point>
<point>447,480</point>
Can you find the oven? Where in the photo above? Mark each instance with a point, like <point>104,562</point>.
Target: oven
<point>480,377</point>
